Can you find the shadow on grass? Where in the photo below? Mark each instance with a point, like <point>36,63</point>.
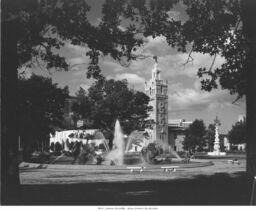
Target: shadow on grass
<point>219,189</point>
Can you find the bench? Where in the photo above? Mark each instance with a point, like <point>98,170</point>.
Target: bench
<point>136,168</point>
<point>169,168</point>
<point>231,161</point>
<point>234,162</point>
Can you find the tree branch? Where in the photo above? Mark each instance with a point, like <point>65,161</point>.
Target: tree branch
<point>74,65</point>
<point>213,61</point>
<point>190,58</point>
<point>238,98</point>
<point>237,25</point>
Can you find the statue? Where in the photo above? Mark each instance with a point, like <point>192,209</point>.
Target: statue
<point>155,58</point>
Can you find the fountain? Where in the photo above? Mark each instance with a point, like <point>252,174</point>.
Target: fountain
<point>121,154</point>
<point>116,155</point>
<point>136,141</point>
<point>173,152</point>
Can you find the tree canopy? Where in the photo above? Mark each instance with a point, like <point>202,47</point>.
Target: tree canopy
<point>237,135</point>
<point>40,108</point>
<point>195,136</point>
<point>109,100</point>
<point>212,27</point>
<point>45,26</point>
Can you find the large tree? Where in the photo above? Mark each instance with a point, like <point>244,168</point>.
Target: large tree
<point>33,32</point>
<point>82,107</point>
<point>195,136</point>
<point>109,100</point>
<point>40,110</point>
<point>237,134</point>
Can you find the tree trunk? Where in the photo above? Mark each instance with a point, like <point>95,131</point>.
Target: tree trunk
<point>9,136</point>
<point>249,27</point>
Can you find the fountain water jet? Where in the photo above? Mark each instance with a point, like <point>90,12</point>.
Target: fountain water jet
<point>173,152</point>
<point>117,153</point>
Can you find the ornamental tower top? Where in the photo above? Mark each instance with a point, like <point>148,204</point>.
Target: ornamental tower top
<point>156,71</point>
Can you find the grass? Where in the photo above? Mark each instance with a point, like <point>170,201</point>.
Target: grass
<point>218,184</point>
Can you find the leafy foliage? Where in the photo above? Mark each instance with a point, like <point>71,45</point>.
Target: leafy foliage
<point>46,25</point>
<point>40,108</point>
<point>195,136</point>
<point>212,27</point>
<point>109,100</point>
<point>237,134</point>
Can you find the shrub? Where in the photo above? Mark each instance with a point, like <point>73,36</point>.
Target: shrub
<point>58,148</point>
<point>40,157</point>
<point>52,147</point>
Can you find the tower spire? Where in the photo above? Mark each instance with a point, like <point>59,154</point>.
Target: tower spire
<point>156,71</point>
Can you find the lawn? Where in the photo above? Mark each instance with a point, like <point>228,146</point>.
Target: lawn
<point>218,184</point>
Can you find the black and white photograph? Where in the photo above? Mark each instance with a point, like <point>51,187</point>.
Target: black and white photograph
<point>114,104</point>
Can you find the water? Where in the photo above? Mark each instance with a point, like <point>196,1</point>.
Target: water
<point>171,151</point>
<point>117,153</point>
<point>128,144</point>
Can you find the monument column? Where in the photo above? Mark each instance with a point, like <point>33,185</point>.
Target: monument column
<point>216,147</point>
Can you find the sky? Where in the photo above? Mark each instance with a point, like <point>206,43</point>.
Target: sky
<point>186,100</point>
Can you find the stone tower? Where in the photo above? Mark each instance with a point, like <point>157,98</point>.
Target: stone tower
<point>157,90</point>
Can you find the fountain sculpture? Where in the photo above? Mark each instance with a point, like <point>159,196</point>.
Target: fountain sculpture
<point>216,148</point>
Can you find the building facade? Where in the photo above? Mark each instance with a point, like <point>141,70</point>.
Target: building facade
<point>157,90</point>
<point>176,133</point>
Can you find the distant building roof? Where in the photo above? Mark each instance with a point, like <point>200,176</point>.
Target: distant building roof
<point>182,123</point>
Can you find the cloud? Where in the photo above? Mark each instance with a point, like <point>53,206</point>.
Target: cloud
<point>111,66</point>
<point>170,61</point>
<point>189,99</point>
<point>78,61</point>
<point>174,64</point>
<point>84,86</point>
<point>131,78</point>
<point>175,15</point>
<point>155,46</point>
<point>77,49</point>
<point>134,80</point>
